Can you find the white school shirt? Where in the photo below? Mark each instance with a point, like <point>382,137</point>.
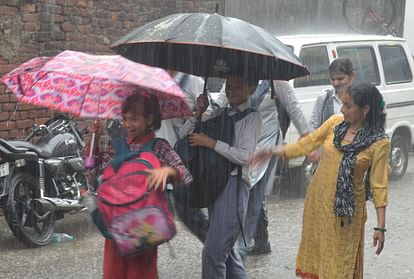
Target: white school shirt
<point>315,120</point>
<point>246,134</point>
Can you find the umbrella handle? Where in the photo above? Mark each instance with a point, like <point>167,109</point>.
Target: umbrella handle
<point>90,160</point>
<point>92,145</point>
<point>96,128</point>
<point>205,93</point>
<point>272,91</point>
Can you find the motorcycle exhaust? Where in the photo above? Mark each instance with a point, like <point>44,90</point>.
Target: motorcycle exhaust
<point>47,205</point>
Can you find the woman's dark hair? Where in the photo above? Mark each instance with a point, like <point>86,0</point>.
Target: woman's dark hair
<point>366,94</point>
<point>343,65</point>
<point>144,104</point>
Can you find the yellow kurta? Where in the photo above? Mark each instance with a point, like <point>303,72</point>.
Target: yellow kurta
<point>327,249</point>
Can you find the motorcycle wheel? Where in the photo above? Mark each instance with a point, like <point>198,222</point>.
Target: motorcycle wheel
<point>25,224</point>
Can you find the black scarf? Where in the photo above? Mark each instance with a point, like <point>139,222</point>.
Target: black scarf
<point>344,196</point>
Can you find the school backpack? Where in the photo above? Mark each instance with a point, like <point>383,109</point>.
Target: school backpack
<point>135,217</point>
<point>209,169</point>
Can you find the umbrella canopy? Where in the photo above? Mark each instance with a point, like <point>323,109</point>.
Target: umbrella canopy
<point>93,86</point>
<point>210,45</point>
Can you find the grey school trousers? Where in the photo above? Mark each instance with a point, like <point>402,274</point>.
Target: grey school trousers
<point>219,231</point>
<point>220,259</point>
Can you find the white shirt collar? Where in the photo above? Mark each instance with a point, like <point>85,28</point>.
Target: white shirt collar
<point>242,107</point>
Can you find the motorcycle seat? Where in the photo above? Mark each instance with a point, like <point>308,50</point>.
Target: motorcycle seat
<point>42,150</point>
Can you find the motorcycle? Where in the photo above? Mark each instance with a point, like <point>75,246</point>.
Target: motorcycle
<point>41,181</point>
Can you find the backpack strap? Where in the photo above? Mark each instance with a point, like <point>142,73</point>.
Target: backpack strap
<point>98,221</point>
<point>324,114</point>
<point>149,146</point>
<point>122,152</point>
<point>120,145</point>
<point>240,115</point>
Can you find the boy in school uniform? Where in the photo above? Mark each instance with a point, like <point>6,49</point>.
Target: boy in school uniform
<point>220,259</point>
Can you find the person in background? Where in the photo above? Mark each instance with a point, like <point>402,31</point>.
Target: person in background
<point>220,259</point>
<point>141,117</point>
<point>341,75</point>
<point>192,87</point>
<point>334,215</point>
<point>262,177</point>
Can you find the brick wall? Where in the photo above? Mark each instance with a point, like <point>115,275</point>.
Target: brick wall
<point>30,28</point>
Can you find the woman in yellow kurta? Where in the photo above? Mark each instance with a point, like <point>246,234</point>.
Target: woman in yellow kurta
<point>334,215</point>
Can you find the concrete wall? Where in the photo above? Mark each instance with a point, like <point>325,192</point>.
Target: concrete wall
<point>30,28</point>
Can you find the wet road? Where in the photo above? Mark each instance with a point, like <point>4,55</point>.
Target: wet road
<point>81,258</point>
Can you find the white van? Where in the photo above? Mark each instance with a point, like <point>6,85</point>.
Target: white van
<point>384,61</point>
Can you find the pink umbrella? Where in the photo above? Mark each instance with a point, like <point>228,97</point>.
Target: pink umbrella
<point>92,86</point>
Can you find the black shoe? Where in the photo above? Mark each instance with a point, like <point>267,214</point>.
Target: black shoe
<point>259,249</point>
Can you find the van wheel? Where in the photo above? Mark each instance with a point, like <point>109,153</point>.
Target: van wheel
<point>398,157</point>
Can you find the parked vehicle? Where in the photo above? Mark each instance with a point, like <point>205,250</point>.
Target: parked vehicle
<point>41,181</point>
<point>385,61</point>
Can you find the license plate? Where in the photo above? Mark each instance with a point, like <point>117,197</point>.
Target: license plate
<point>4,169</point>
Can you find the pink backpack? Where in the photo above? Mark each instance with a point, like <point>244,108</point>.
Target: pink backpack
<point>135,217</point>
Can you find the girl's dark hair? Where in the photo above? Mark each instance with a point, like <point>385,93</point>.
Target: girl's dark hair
<point>343,65</point>
<point>144,104</point>
<point>366,94</point>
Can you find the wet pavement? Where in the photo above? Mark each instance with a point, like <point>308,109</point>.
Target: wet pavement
<point>82,258</point>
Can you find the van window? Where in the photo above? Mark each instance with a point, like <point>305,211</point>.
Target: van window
<point>396,67</point>
<point>364,62</point>
<point>317,60</point>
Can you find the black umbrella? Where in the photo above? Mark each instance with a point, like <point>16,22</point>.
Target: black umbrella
<point>210,45</point>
